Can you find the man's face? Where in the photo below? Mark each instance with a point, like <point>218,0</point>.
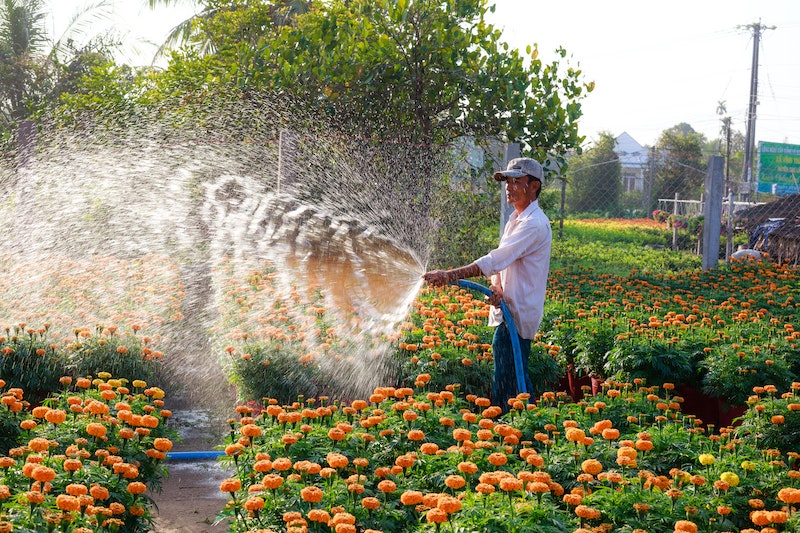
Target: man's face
<point>520,192</point>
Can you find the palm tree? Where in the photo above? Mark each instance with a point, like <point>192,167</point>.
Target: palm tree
<point>188,32</point>
<point>22,34</point>
<point>29,55</point>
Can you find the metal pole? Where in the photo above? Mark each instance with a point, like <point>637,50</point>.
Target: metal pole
<point>286,158</point>
<point>675,213</point>
<point>512,151</point>
<point>750,135</point>
<point>712,211</point>
<point>729,240</point>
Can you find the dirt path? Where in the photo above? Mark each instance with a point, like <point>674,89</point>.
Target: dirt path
<point>190,499</point>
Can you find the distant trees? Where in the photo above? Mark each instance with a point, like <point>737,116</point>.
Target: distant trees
<point>594,179</point>
<point>680,165</point>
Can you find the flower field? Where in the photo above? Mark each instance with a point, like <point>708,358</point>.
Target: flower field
<point>82,460</point>
<point>647,445</point>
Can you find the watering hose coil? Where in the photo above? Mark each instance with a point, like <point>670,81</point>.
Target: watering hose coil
<point>512,331</point>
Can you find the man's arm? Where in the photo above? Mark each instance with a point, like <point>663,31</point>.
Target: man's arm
<point>439,278</point>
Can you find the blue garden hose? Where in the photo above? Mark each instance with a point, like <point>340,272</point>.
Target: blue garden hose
<point>194,456</point>
<point>512,331</point>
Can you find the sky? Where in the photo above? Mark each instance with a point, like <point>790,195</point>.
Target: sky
<point>654,64</point>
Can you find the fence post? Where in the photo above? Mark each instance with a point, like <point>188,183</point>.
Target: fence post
<point>25,177</point>
<point>712,212</point>
<point>512,151</point>
<point>729,239</point>
<point>675,212</point>
<point>286,158</point>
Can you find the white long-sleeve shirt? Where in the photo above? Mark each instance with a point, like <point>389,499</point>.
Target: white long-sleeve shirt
<point>522,258</point>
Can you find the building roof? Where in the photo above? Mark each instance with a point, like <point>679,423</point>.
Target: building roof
<point>630,152</point>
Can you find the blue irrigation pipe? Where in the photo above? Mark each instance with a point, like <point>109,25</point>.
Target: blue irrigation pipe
<point>193,456</point>
<point>512,331</point>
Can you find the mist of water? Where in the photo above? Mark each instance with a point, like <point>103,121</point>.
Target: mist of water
<point>342,218</point>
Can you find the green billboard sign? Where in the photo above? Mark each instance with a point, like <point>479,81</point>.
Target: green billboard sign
<point>778,169</point>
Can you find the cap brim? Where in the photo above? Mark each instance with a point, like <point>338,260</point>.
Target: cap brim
<point>502,175</point>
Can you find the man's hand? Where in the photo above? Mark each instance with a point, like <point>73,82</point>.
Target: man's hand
<point>496,297</point>
<point>437,278</point>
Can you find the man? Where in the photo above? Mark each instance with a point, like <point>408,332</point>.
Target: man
<point>518,269</point>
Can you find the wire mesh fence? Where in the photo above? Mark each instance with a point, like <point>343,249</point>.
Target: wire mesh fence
<point>668,189</point>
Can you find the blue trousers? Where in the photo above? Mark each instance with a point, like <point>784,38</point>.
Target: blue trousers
<point>504,385</point>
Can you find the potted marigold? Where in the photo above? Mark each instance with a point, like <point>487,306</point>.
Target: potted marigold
<point>594,340</point>
<point>732,373</point>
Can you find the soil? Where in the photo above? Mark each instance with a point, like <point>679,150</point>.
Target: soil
<point>190,500</point>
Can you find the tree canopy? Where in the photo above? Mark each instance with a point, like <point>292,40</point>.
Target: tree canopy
<point>682,166</point>
<point>420,72</point>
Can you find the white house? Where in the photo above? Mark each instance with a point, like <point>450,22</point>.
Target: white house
<point>633,158</point>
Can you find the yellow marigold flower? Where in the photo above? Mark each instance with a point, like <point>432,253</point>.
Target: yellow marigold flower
<point>730,478</point>
<point>706,459</point>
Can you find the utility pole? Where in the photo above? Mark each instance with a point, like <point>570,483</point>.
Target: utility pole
<point>750,135</point>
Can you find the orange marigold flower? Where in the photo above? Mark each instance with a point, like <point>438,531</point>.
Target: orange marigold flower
<point>467,467</point>
<point>272,481</point>
<point>411,497</point>
<point>76,489</point>
<point>685,526</point>
<point>370,503</point>
<point>449,504</point>
<point>416,435</point>
<point>454,481</point>
<point>405,461</point>
<point>96,429</point>
<point>161,444</point>
<point>436,516</point>
<point>68,503</point>
<point>337,460</point>
<point>250,430</point>
<point>231,484</point>
<point>387,485</point>
<point>498,459</point>
<point>484,488</point>
<point>592,466</point>
<point>510,484</point>
<point>137,487</point>
<point>99,492</point>
<point>319,515</point>
<point>429,448</point>
<point>586,512</point>
<point>311,494</point>
<point>43,474</point>
<point>461,434</point>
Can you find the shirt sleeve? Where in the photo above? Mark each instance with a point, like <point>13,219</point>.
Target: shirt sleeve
<point>515,244</point>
